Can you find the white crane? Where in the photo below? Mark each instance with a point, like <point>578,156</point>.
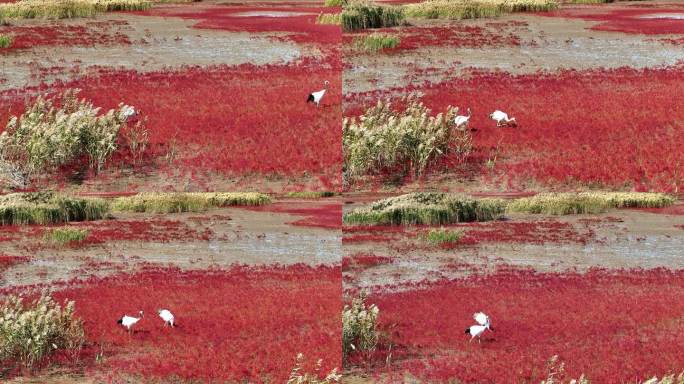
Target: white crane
<point>462,121</point>
<point>316,97</point>
<point>477,330</point>
<point>127,112</point>
<point>129,321</point>
<point>167,316</point>
<point>501,118</point>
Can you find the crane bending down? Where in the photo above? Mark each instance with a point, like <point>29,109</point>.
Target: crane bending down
<point>461,121</point>
<point>483,323</point>
<point>168,317</point>
<point>316,97</point>
<point>501,118</point>
<point>129,321</point>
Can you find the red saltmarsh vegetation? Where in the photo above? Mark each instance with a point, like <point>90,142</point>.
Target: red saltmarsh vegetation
<point>620,128</point>
<point>614,327</point>
<point>237,325</point>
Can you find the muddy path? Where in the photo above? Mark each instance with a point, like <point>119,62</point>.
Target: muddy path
<point>619,239</point>
<point>546,44</point>
<point>217,238</point>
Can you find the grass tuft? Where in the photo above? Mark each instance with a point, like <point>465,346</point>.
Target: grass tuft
<point>67,9</point>
<point>6,41</point>
<point>428,208</point>
<point>567,203</point>
<point>335,3</point>
<point>475,9</point>
<point>186,202</point>
<point>66,235</point>
<point>376,42</point>
<point>443,236</point>
<point>49,208</point>
<point>329,18</point>
<point>362,15</point>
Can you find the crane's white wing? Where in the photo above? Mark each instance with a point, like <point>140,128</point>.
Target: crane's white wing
<point>481,318</point>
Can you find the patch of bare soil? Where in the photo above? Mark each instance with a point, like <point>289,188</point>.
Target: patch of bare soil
<point>156,43</point>
<point>236,236</point>
<point>546,44</point>
<point>621,239</point>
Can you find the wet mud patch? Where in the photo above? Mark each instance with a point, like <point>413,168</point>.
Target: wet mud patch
<point>226,237</point>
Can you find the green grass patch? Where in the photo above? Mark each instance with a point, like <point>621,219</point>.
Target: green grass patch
<point>49,208</point>
<point>376,42</point>
<point>329,18</point>
<point>475,9</point>
<point>310,194</point>
<point>335,3</point>
<point>66,235</point>
<point>566,203</point>
<point>186,202</point>
<point>6,41</point>
<point>443,236</point>
<point>363,15</point>
<point>429,208</point>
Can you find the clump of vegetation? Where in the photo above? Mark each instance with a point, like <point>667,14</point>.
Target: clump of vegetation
<point>31,332</point>
<point>310,194</point>
<point>359,322</point>
<point>567,203</point>
<point>49,208</point>
<point>47,136</point>
<point>329,18</point>
<point>299,376</point>
<point>66,235</point>
<point>187,202</point>
<point>556,375</point>
<point>6,41</point>
<point>363,15</point>
<point>590,1</point>
<point>376,42</point>
<point>67,9</point>
<point>474,9</point>
<point>406,140</point>
<point>429,208</point>
<point>335,3</point>
<point>443,236</point>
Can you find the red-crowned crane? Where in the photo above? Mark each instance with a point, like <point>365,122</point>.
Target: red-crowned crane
<point>501,118</point>
<point>316,97</point>
<point>461,121</point>
<point>129,321</point>
<point>168,317</point>
<point>477,330</point>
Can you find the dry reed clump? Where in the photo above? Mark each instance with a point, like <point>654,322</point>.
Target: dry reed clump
<point>177,202</point>
<point>47,136</point>
<point>359,15</point>
<point>474,9</point>
<point>49,208</point>
<point>329,18</point>
<point>400,141</point>
<point>31,332</point>
<point>298,375</point>
<point>565,203</point>
<point>428,208</point>
<point>359,322</point>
